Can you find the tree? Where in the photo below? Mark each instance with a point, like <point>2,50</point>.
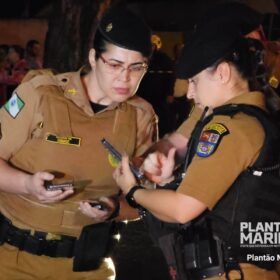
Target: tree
<point>71,31</point>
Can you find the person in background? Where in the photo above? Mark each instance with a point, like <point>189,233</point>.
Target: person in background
<point>17,68</point>
<point>181,105</point>
<point>33,54</point>
<point>157,86</point>
<point>225,71</point>
<point>58,199</point>
<point>3,73</point>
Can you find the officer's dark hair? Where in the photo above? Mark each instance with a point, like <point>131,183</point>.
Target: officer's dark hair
<point>99,44</point>
<point>247,55</point>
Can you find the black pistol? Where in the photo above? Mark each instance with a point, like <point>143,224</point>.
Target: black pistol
<point>136,171</point>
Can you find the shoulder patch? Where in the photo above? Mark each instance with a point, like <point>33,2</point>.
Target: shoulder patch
<point>14,105</point>
<point>210,139</point>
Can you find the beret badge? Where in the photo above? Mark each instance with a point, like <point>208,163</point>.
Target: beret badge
<point>109,27</point>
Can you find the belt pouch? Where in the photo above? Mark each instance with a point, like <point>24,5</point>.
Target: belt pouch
<point>4,227</point>
<point>203,251</point>
<point>92,246</point>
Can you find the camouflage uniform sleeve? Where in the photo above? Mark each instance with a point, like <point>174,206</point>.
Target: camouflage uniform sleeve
<point>147,128</point>
<point>18,119</point>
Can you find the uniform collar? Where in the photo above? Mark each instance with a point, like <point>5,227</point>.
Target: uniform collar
<point>75,91</point>
<point>255,98</point>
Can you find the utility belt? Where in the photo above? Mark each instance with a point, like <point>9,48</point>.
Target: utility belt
<point>37,243</point>
<point>95,242</point>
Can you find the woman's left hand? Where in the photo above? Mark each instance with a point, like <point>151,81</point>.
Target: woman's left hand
<point>92,208</point>
<point>123,175</point>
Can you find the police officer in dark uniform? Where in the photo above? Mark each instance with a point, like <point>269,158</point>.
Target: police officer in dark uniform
<point>227,152</point>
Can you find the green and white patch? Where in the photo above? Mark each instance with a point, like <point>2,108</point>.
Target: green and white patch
<point>14,105</point>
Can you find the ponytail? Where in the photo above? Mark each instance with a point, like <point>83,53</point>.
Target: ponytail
<point>259,79</point>
<point>247,55</point>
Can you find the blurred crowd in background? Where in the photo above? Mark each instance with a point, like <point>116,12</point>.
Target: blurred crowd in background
<point>15,62</point>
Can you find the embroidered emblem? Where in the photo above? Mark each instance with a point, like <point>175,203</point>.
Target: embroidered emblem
<point>109,27</point>
<point>113,160</point>
<point>74,141</point>
<point>210,139</point>
<point>72,91</point>
<point>14,105</point>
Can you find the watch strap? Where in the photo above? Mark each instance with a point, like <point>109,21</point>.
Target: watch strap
<point>130,197</point>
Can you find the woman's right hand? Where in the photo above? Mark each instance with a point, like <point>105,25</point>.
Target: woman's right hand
<point>159,168</point>
<point>35,186</point>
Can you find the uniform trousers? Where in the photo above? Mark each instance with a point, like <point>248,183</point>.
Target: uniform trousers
<point>20,265</point>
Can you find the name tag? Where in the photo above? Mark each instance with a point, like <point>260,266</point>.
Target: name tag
<point>74,141</point>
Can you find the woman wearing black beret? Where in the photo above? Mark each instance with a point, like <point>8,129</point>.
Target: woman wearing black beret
<point>228,199</point>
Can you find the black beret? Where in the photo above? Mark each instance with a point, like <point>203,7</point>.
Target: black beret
<point>239,14</point>
<point>207,44</point>
<point>123,28</point>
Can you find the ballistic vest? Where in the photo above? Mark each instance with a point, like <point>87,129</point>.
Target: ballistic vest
<point>254,197</point>
<point>201,247</point>
<point>85,159</point>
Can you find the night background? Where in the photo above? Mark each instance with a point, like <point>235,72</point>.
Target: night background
<point>65,28</point>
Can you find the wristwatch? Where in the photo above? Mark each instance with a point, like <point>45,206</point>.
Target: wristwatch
<point>130,199</point>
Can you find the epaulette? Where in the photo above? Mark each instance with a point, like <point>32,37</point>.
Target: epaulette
<point>141,103</point>
<point>40,77</point>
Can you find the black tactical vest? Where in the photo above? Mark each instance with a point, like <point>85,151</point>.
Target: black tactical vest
<point>253,199</point>
<point>247,218</point>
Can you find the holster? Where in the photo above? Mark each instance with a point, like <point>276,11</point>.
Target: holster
<point>95,242</point>
<point>171,246</point>
<point>166,237</point>
<point>203,253</point>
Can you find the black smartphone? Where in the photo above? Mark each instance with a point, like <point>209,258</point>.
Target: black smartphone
<point>53,187</point>
<point>99,205</point>
<point>135,170</point>
<point>61,181</point>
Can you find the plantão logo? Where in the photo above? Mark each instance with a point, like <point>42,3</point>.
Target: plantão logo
<point>260,234</point>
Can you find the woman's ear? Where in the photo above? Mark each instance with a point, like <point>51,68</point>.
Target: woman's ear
<point>223,72</point>
<point>91,58</point>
